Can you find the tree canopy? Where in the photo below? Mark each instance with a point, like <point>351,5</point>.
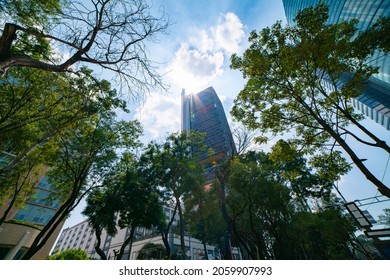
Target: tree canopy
<point>36,106</point>
<point>57,35</point>
<point>301,80</point>
<point>175,169</point>
<point>30,12</point>
<point>124,201</point>
<point>39,111</point>
<point>85,156</point>
<point>70,254</point>
<point>272,220</point>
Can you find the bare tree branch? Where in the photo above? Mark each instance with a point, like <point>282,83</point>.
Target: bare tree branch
<point>111,34</point>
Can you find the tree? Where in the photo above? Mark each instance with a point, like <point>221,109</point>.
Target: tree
<point>70,254</point>
<point>29,11</point>
<point>36,109</point>
<point>100,212</point>
<point>322,235</point>
<point>269,222</point>
<point>164,227</point>
<point>176,170</point>
<point>109,34</point>
<point>140,206</point>
<point>312,178</point>
<point>19,184</point>
<point>301,80</point>
<point>243,138</point>
<point>126,200</point>
<point>259,205</point>
<point>204,217</point>
<point>85,156</point>
<point>151,173</point>
<point>222,179</point>
<point>37,106</point>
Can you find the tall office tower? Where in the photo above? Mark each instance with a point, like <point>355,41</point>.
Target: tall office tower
<point>203,112</point>
<point>374,102</point>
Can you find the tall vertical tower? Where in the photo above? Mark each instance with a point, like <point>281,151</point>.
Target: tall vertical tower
<point>374,102</point>
<point>203,112</point>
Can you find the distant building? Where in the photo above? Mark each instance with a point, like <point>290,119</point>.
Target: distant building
<point>203,112</point>
<point>374,102</point>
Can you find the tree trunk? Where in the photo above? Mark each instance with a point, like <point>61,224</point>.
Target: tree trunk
<point>182,242</point>
<point>165,232</point>
<point>128,241</point>
<point>6,39</point>
<point>99,251</point>
<point>206,256</point>
<point>9,206</point>
<point>228,220</point>
<point>164,236</point>
<point>244,245</point>
<point>203,236</point>
<point>18,188</point>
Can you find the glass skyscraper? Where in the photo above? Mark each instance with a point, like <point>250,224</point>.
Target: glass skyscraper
<point>203,112</point>
<point>374,102</point>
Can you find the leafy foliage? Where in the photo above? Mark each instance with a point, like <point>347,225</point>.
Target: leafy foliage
<point>270,221</point>
<point>84,157</point>
<point>175,168</point>
<point>204,217</point>
<point>126,200</point>
<point>100,211</point>
<point>31,11</point>
<point>70,254</point>
<point>301,80</point>
<point>36,106</point>
<point>385,217</point>
<point>38,111</point>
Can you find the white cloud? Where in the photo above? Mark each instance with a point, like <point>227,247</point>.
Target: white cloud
<point>202,41</point>
<point>226,36</point>
<point>192,68</point>
<point>229,33</point>
<point>200,60</point>
<point>159,115</point>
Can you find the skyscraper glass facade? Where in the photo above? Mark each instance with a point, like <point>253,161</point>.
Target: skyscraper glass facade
<point>375,101</point>
<point>203,112</point>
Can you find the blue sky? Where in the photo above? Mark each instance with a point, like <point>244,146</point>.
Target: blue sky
<point>195,54</point>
